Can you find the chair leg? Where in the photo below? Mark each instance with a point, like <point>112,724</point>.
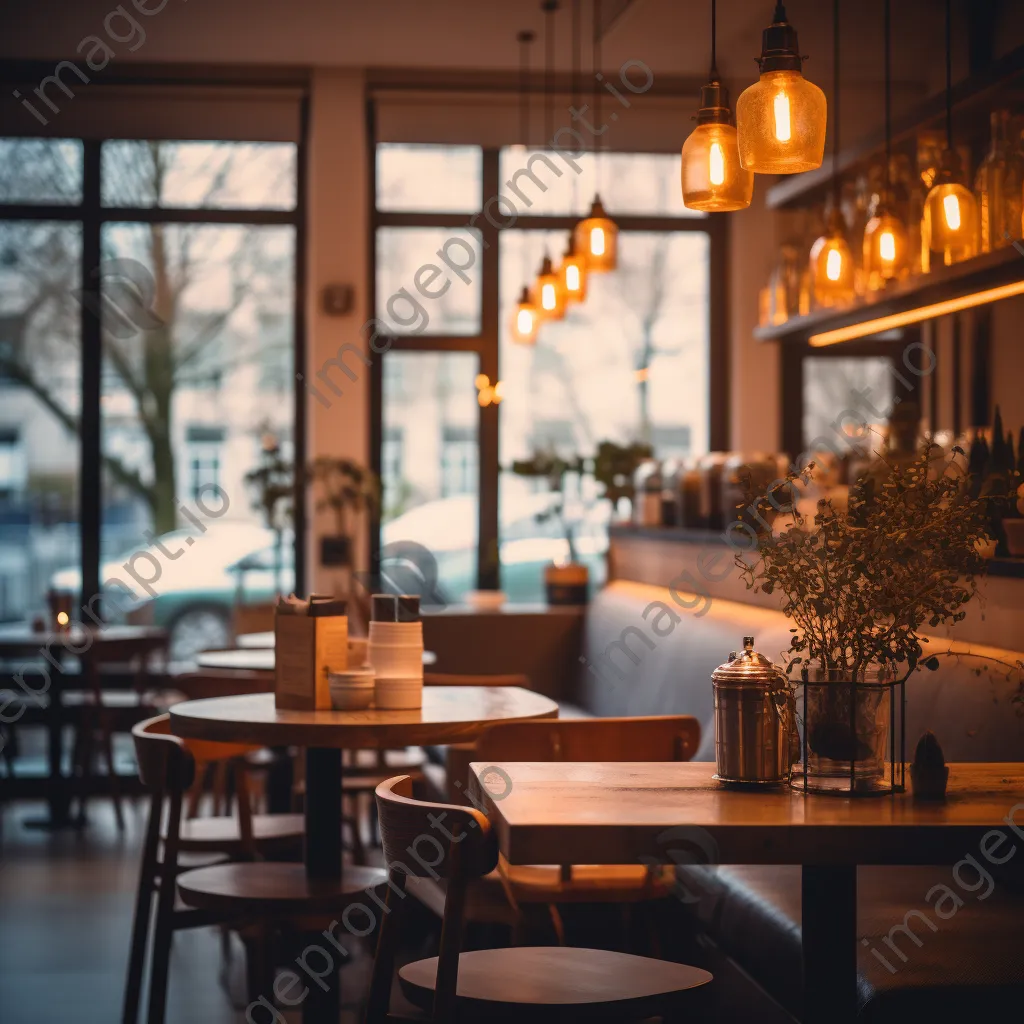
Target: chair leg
<point>115,785</point>
<point>259,964</point>
<point>165,917</point>
<point>557,923</point>
<point>141,922</point>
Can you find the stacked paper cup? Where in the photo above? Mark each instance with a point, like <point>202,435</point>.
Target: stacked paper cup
<point>396,651</point>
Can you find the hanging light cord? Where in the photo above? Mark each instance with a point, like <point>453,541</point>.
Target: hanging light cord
<point>577,64</point>
<point>549,7</point>
<point>949,74</point>
<point>888,93</point>
<point>525,39</point>
<point>597,90</point>
<point>835,103</point>
<point>714,41</point>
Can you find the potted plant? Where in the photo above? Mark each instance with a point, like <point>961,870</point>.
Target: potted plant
<point>271,485</point>
<point>567,582</point>
<point>347,491</point>
<point>860,585</point>
<point>615,466</point>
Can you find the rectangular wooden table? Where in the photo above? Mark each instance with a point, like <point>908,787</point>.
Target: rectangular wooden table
<point>623,813</point>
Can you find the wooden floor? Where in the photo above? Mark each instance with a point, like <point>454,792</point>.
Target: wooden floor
<point>66,904</point>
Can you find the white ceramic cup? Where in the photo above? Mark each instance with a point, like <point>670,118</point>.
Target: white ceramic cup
<point>396,632</point>
<point>397,694</point>
<point>352,690</point>
<point>395,661</point>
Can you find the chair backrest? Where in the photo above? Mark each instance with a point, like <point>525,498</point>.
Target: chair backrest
<point>165,764</point>
<point>417,836</point>
<point>153,743</point>
<point>661,738</point>
<point>422,839</point>
<point>445,679</point>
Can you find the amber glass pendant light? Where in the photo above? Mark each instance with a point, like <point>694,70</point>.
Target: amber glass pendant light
<point>886,244</point>
<point>526,316</point>
<point>548,289</point>
<point>713,179</point>
<point>525,319</point>
<point>832,270</point>
<point>550,296</point>
<point>597,235</point>
<point>950,225</point>
<point>573,274</point>
<point>780,119</point>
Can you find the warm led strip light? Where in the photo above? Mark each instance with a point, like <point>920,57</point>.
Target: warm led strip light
<point>915,316</point>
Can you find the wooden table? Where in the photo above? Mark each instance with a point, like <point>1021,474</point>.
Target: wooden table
<point>450,714</point>
<point>594,813</point>
<point>37,652</point>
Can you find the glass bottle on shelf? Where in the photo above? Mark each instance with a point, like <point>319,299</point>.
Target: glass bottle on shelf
<point>998,187</point>
<point>785,285</point>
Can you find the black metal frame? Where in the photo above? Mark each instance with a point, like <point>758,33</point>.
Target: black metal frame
<point>486,343</point>
<point>897,740</point>
<point>92,215</point>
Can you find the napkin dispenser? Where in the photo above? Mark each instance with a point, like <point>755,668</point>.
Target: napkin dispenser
<point>311,640</point>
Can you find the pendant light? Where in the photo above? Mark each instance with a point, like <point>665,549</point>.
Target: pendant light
<point>950,224</point>
<point>549,290</point>
<point>525,318</point>
<point>781,118</point>
<point>550,295</point>
<point>832,271</point>
<point>886,245</point>
<point>712,177</point>
<point>597,235</point>
<point>573,271</point>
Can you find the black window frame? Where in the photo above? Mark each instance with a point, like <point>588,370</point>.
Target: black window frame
<point>486,343</point>
<point>91,214</point>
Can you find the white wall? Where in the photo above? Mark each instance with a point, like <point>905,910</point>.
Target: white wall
<point>338,226</point>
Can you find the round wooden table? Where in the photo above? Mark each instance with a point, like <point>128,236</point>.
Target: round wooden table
<point>450,714</point>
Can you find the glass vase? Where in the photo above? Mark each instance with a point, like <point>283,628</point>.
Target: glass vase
<point>849,733</point>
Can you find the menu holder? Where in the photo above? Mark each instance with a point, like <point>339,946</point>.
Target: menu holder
<point>311,640</point>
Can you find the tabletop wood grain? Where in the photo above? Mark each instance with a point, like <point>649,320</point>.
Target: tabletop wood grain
<point>605,813</point>
<point>450,714</point>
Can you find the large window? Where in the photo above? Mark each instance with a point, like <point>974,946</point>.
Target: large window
<point>166,270</point>
<point>632,363</point>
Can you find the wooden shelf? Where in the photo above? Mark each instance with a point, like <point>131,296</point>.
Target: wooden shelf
<point>990,270</point>
<point>1000,84</point>
<point>1012,568</point>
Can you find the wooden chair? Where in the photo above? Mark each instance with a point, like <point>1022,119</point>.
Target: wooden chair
<point>103,713</point>
<point>171,768</point>
<point>667,738</point>
<point>536,984</point>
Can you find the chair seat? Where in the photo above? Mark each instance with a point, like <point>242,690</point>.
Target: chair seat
<point>221,834</point>
<point>596,983</point>
<point>274,889</point>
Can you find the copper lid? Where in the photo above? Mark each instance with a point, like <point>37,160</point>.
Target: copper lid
<point>747,667</point>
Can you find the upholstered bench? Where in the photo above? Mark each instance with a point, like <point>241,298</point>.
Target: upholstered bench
<point>966,965</point>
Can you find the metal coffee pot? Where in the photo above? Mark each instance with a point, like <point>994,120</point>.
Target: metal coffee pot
<point>755,718</point>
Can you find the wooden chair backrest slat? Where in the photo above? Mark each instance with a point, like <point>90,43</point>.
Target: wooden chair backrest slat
<point>204,751</point>
<point>165,763</point>
<point>662,738</point>
<point>446,679</point>
<point>417,835</point>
